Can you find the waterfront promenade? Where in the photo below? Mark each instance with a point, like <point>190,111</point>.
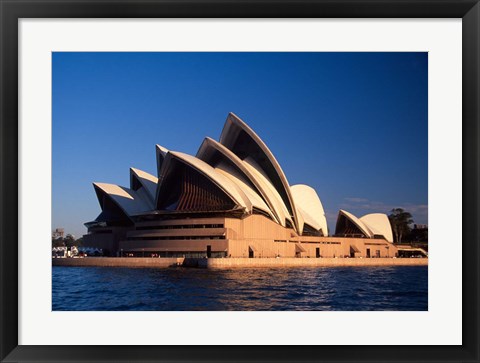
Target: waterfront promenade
<point>222,263</point>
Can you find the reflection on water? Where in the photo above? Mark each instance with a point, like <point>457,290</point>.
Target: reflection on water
<point>341,288</point>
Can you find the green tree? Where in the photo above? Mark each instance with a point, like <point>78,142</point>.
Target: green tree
<point>79,242</point>
<point>400,221</point>
<point>57,242</point>
<point>69,240</point>
<point>419,235</point>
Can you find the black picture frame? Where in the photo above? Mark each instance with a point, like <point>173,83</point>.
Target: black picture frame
<point>12,10</point>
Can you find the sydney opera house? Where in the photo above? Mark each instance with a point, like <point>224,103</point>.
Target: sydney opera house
<point>230,200</point>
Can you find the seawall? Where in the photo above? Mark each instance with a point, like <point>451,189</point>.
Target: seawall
<point>117,262</point>
<point>226,263</point>
<point>307,262</point>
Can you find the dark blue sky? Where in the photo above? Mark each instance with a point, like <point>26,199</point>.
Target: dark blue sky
<point>351,125</point>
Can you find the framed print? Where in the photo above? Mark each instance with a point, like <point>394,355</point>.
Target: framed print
<point>288,165</point>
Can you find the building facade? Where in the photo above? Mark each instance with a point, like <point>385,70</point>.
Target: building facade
<point>230,200</point>
<point>58,233</point>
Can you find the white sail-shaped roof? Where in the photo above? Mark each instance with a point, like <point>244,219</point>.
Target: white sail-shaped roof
<point>225,184</point>
<point>272,194</point>
<point>356,221</point>
<point>255,199</point>
<point>244,142</point>
<point>147,181</point>
<point>212,151</point>
<point>160,153</point>
<point>128,200</point>
<point>379,224</point>
<point>310,206</point>
<point>371,225</point>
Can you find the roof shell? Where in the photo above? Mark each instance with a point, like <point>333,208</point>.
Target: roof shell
<point>269,165</point>
<point>271,193</point>
<point>361,225</point>
<point>310,206</point>
<point>219,179</point>
<point>255,199</point>
<point>379,224</point>
<point>160,153</point>
<point>212,152</point>
<point>128,200</point>
<point>147,181</point>
<point>249,176</point>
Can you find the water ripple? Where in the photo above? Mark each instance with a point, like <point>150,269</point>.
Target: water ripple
<point>181,289</point>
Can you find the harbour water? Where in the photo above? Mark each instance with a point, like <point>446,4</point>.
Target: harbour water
<point>391,288</point>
